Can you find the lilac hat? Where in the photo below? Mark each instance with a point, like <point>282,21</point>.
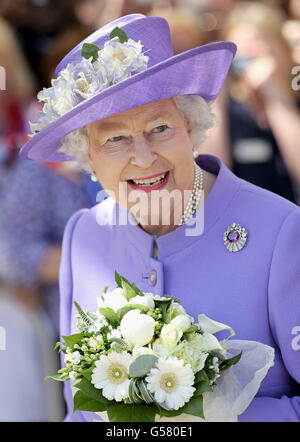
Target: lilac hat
<point>133,65</point>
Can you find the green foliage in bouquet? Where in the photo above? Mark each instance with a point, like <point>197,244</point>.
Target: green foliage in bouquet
<point>141,355</point>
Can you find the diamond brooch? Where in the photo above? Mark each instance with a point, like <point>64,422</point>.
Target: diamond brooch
<point>235,237</point>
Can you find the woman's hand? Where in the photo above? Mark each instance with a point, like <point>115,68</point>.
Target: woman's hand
<point>263,77</point>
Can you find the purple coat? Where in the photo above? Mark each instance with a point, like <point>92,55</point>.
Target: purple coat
<point>255,290</point>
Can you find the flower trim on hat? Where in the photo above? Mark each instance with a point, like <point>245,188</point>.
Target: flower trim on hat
<point>98,69</point>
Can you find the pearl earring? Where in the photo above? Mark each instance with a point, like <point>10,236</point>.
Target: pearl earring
<point>93,177</point>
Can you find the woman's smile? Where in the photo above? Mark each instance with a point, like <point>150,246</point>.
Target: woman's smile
<point>147,184</point>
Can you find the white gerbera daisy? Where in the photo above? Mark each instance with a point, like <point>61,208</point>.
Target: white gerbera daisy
<point>171,382</point>
<point>111,375</point>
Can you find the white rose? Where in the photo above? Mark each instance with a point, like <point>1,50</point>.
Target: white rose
<point>183,321</point>
<point>137,328</point>
<point>114,299</point>
<point>145,300</point>
<point>170,335</point>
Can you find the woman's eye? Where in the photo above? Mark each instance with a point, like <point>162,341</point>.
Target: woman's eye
<point>161,128</point>
<point>115,139</point>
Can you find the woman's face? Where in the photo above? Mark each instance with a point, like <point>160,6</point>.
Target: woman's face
<point>147,143</point>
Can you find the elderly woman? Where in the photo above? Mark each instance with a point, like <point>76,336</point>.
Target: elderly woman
<point>173,223</point>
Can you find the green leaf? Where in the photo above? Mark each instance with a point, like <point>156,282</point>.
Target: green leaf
<point>83,403</point>
<point>119,412</point>
<point>147,397</point>
<point>58,344</point>
<point>191,329</point>
<point>121,279</point>
<point>168,413</point>
<point>117,32</point>
<point>202,387</point>
<point>118,279</point>
<point>163,304</point>
<point>71,340</point>
<point>227,363</point>
<point>142,365</point>
<point>137,290</point>
<point>194,407</point>
<point>87,374</point>
<point>86,318</point>
<point>134,392</point>
<point>89,50</point>
<point>58,377</point>
<point>105,289</point>
<point>128,291</point>
<point>201,376</point>
<point>110,315</point>
<point>89,390</point>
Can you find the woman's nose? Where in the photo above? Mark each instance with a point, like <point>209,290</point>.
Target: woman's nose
<point>142,153</point>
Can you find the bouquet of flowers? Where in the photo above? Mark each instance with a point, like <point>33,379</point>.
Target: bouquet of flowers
<point>140,357</point>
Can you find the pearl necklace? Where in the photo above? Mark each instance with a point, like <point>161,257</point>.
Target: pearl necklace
<point>193,201</point>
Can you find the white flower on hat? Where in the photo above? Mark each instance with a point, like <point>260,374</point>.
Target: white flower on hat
<point>81,80</point>
<point>121,59</point>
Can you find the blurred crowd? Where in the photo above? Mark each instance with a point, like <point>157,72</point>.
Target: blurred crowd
<point>257,136</point>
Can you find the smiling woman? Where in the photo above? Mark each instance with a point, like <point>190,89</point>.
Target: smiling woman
<point>149,148</point>
<point>134,115</point>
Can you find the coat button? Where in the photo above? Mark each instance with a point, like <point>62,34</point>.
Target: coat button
<point>153,278</point>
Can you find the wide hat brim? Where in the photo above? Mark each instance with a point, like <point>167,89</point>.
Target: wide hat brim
<point>200,71</point>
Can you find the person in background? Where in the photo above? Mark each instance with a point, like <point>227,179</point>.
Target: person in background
<point>259,136</point>
<point>185,27</point>
<point>210,14</point>
<point>96,13</point>
<point>36,203</point>
<point>18,87</point>
<point>291,31</point>
<point>32,221</point>
<point>36,23</point>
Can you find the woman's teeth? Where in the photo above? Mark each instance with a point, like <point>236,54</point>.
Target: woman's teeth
<point>150,181</point>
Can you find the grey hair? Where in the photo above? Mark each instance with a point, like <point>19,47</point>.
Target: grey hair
<point>196,111</point>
